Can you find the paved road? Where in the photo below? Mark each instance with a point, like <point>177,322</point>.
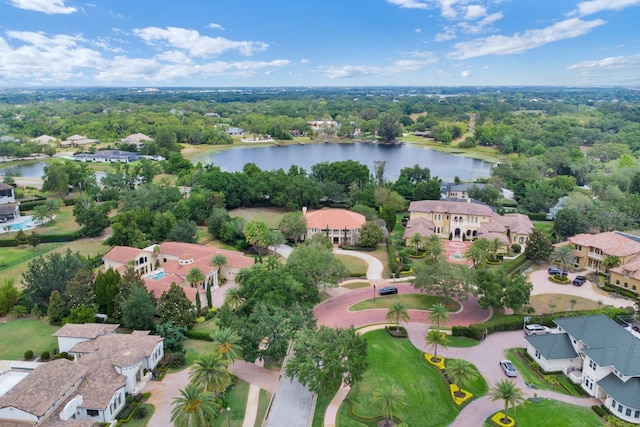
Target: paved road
<point>292,405</point>
<point>375,269</point>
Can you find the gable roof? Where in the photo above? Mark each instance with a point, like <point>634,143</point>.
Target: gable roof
<point>606,342</point>
<point>422,226</point>
<point>627,393</point>
<point>43,387</point>
<point>123,254</point>
<point>86,330</point>
<point>553,346</point>
<point>610,243</point>
<point>235,259</point>
<point>335,219</point>
<point>451,207</point>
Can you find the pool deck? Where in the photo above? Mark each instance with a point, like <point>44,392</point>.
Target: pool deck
<point>25,221</point>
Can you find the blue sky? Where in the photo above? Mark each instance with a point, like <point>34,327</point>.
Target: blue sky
<point>218,43</point>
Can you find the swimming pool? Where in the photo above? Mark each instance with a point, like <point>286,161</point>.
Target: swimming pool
<point>158,274</point>
<point>25,224</point>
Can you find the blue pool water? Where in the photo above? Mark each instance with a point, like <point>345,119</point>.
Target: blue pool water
<point>24,225</point>
<point>157,275</point>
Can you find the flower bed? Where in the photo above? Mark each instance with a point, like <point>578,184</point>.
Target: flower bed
<point>438,364</point>
<point>418,256</point>
<point>498,417</point>
<point>459,400</point>
<point>391,330</point>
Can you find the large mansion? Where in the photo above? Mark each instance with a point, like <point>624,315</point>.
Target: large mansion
<point>591,251</point>
<point>170,262</point>
<point>340,225</point>
<point>9,209</point>
<point>599,354</point>
<point>89,390</point>
<point>466,220</point>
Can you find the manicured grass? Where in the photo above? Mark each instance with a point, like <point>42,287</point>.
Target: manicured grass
<point>236,399</point>
<point>194,349</point>
<point>143,422</point>
<point>20,335</point>
<point>399,362</point>
<point>356,285</point>
<point>413,301</point>
<point>322,403</point>
<point>18,254</point>
<point>271,216</point>
<point>461,342</point>
<point>552,413</point>
<point>207,326</point>
<point>356,266</point>
<point>545,226</point>
<point>263,405</point>
<point>562,302</point>
<point>532,378</point>
<point>324,296</point>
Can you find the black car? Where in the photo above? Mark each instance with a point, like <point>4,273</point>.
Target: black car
<point>579,281</point>
<point>555,271</point>
<point>388,290</point>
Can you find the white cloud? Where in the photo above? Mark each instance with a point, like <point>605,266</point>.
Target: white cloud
<point>410,4</point>
<point>304,61</point>
<point>610,63</point>
<point>446,8</point>
<point>448,33</point>
<point>518,43</point>
<point>397,67</point>
<point>50,7</point>
<point>595,6</point>
<point>481,25</point>
<point>465,74</point>
<point>196,44</point>
<point>215,26</point>
<point>418,30</point>
<point>475,11</point>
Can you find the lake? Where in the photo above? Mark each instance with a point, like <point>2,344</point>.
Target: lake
<point>32,170</point>
<point>444,165</point>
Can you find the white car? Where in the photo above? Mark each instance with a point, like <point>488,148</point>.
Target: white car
<point>508,368</point>
<point>535,329</point>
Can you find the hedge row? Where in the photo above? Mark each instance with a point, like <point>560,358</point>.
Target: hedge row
<point>515,322</point>
<point>45,238</point>
<point>622,291</point>
<point>516,265</point>
<point>198,335</point>
<point>537,216</point>
<point>366,420</point>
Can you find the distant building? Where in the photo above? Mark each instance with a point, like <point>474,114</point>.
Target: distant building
<point>137,139</point>
<point>77,141</point>
<point>45,140</point>
<point>234,131</point>
<point>9,209</point>
<point>108,156</point>
<point>461,191</point>
<point>340,225</point>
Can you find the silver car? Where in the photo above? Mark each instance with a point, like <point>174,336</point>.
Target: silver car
<point>508,368</point>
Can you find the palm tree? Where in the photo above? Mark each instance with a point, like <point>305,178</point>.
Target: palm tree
<point>478,252</point>
<point>493,247</point>
<point>439,314</point>
<point>53,207</point>
<point>210,372</point>
<point>460,372</point>
<point>609,262</point>
<point>506,390</point>
<point>195,277</point>
<point>391,396</point>
<point>415,240</point>
<point>397,313</point>
<point>40,213</point>
<point>433,248</point>
<point>564,256</point>
<point>225,341</point>
<point>233,298</point>
<point>434,339</point>
<point>195,407</point>
<point>219,261</point>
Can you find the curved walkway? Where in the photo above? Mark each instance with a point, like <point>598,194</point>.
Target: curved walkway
<point>375,269</point>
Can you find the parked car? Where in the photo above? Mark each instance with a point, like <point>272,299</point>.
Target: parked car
<point>388,290</point>
<point>508,368</point>
<point>579,280</point>
<point>535,329</point>
<point>555,271</point>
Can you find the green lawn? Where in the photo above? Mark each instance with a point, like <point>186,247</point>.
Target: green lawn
<point>194,349</point>
<point>236,399</point>
<point>552,413</point>
<point>356,266</point>
<point>398,361</point>
<point>461,342</point>
<point>322,403</point>
<point>20,335</point>
<point>357,285</point>
<point>263,405</point>
<point>413,301</point>
<point>143,422</point>
<point>206,326</point>
<point>532,378</point>
<point>271,216</point>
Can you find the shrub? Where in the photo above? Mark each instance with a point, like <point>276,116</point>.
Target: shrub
<point>28,355</point>
<point>141,412</point>
<point>45,355</point>
<point>516,248</point>
<point>598,410</point>
<point>198,335</point>
<point>391,330</point>
<point>178,360</point>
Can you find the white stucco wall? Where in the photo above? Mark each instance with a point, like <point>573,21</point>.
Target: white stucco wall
<point>12,413</point>
<point>67,343</point>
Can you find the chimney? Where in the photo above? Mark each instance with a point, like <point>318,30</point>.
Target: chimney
<point>304,210</point>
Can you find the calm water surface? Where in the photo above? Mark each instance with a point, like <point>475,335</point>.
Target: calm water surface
<point>443,165</point>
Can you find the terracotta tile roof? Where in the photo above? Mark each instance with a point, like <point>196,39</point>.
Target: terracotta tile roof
<point>610,243</point>
<point>422,226</point>
<point>87,330</point>
<point>490,236</point>
<point>43,387</point>
<point>123,254</point>
<point>450,207</point>
<point>4,186</point>
<point>517,223</point>
<point>235,259</point>
<point>158,287</point>
<point>335,219</point>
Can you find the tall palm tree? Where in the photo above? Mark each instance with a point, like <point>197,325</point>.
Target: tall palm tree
<point>433,248</point>
<point>415,240</point>
<point>478,252</point>
<point>391,396</point>
<point>233,298</point>
<point>40,213</point>
<point>210,372</point>
<point>397,313</point>
<point>494,246</point>
<point>225,341</point>
<point>195,277</point>
<point>53,208</point>
<point>460,372</point>
<point>434,339</point>
<point>219,261</point>
<point>508,391</point>
<point>564,256</point>
<point>439,314</point>
<point>195,407</point>
<point>609,262</point>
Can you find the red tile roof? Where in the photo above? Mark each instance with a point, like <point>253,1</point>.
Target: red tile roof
<point>422,226</point>
<point>335,219</point>
<point>610,243</point>
<point>123,254</point>
<point>451,207</point>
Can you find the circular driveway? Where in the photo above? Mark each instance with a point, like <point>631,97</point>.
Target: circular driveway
<point>334,311</point>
